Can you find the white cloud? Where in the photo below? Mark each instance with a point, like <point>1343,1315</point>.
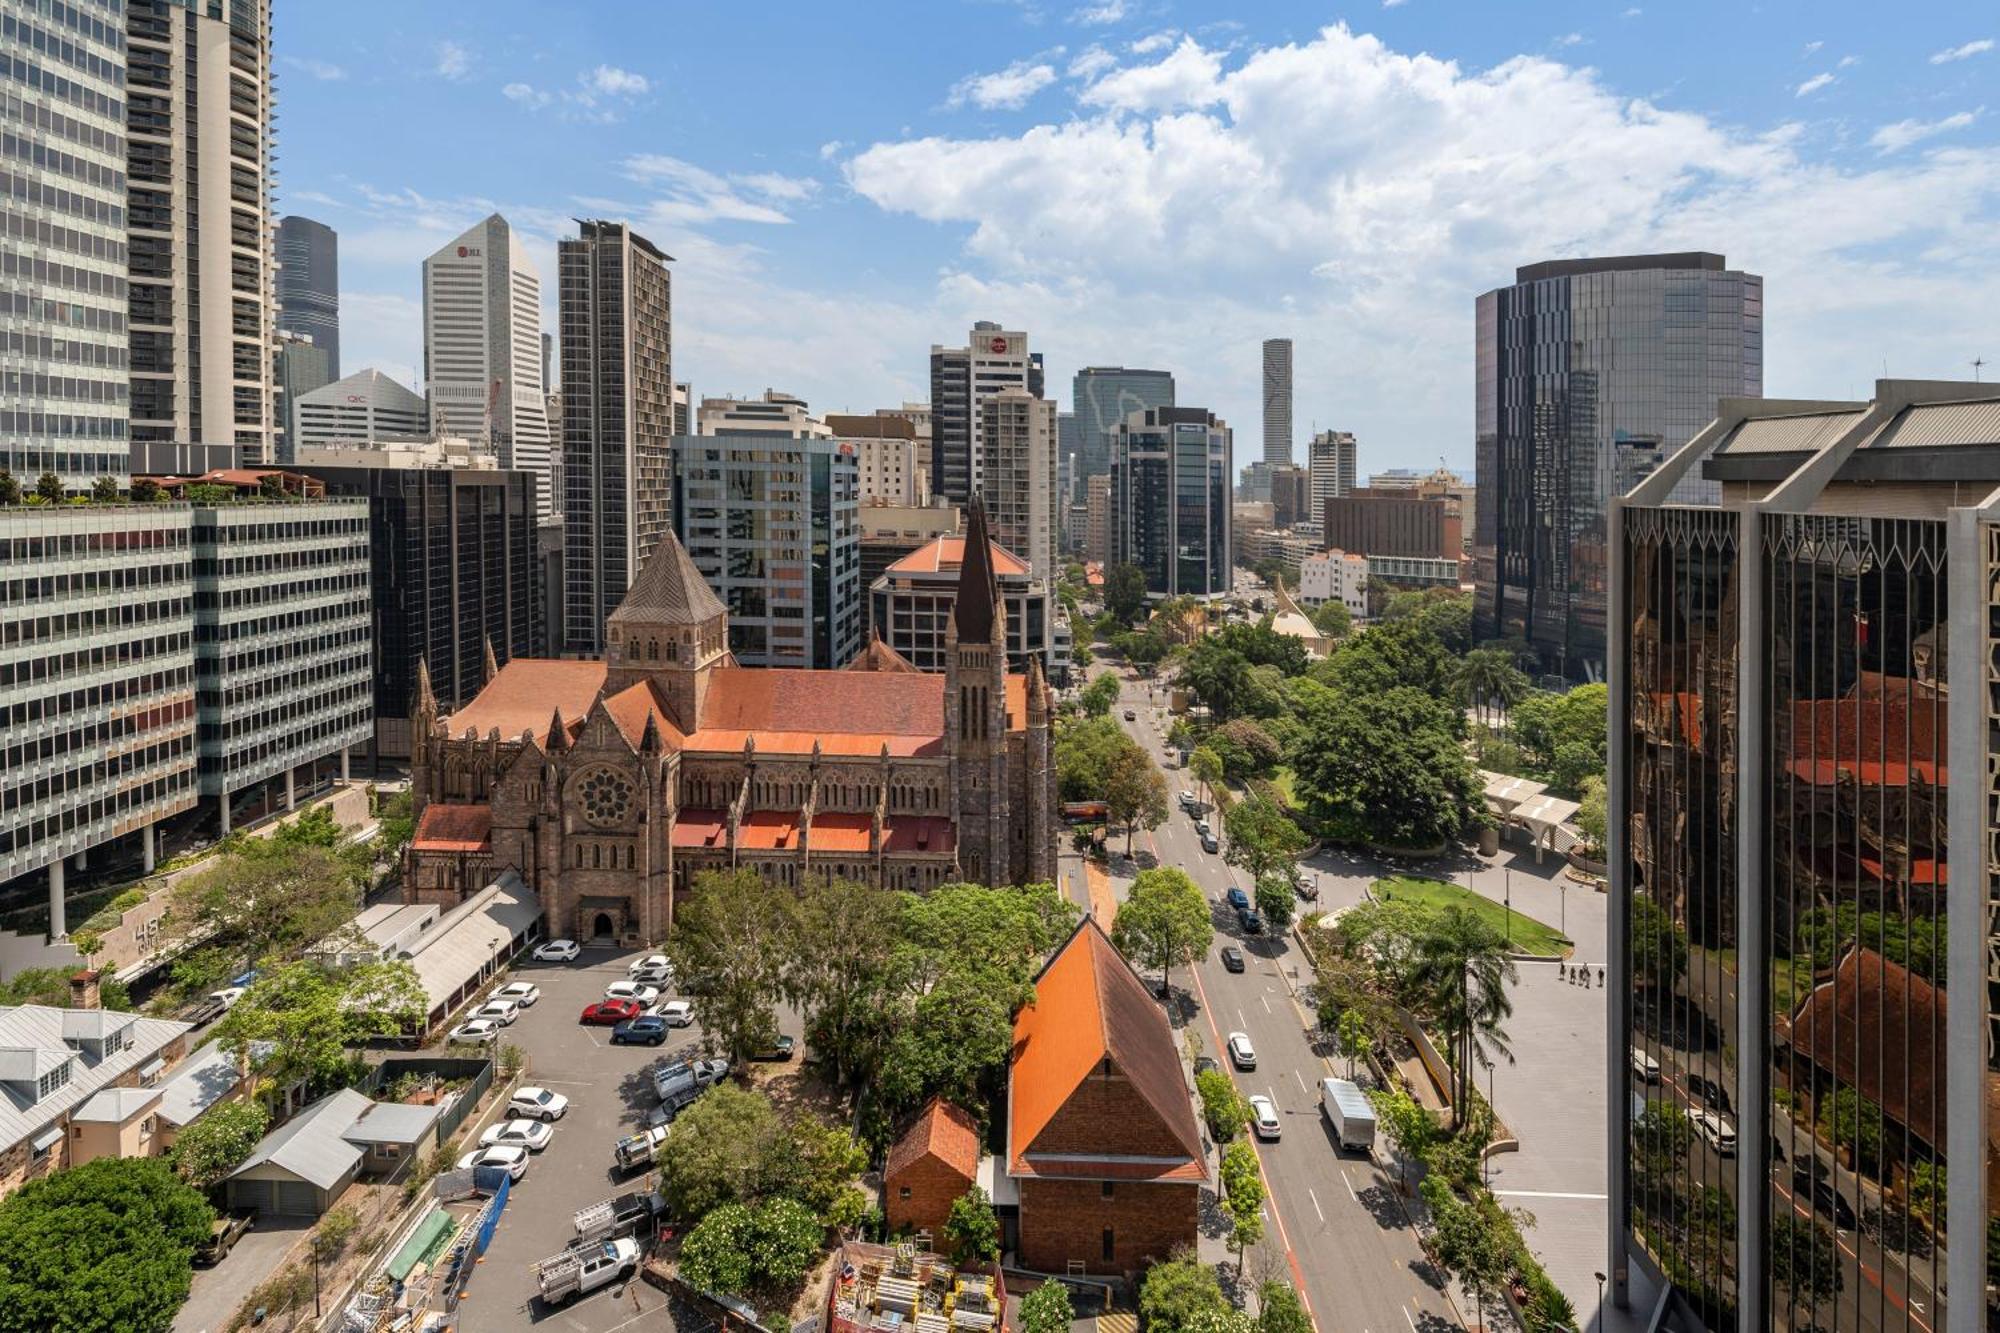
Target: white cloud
<point>1813,85</point>
<point>1187,78</point>
<point>1007,89</point>
<point>695,194</point>
<point>594,99</point>
<point>831,149</point>
<point>1965,52</point>
<point>1813,47</point>
<point>1392,4</point>
<point>323,70</point>
<point>1902,133</point>
<point>454,61</point>
<point>610,81</point>
<point>1848,62</point>
<point>1633,12</point>
<point>1409,184</point>
<point>527,95</point>
<point>1105,11</point>
<point>1157,41</point>
<point>1570,39</point>
<point>1090,62</point>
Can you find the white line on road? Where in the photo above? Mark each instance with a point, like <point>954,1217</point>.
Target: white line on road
<point>1302,1082</point>
<point>1240,1018</point>
<point>1413,1323</point>
<point>1265,1002</point>
<point>567,1083</point>
<point>1316,1209</point>
<point>1350,1187</point>
<point>1542,1194</point>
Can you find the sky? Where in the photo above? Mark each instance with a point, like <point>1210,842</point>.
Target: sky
<point>1166,184</point>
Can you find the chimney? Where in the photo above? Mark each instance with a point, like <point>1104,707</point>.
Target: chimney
<point>83,990</point>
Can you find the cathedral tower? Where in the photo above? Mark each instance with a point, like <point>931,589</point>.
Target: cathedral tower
<point>671,629</point>
<point>975,707</point>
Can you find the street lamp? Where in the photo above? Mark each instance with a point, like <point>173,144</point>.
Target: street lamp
<point>1600,1301</point>
<point>1509,893</point>
<point>1563,885</point>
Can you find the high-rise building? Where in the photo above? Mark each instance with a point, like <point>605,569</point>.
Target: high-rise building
<point>783,415</point>
<point>886,452</point>
<point>1804,756</point>
<point>483,348</point>
<point>309,287</point>
<point>1019,489</point>
<point>1103,396</point>
<point>1371,522</point>
<point>1277,401</point>
<point>1589,372</point>
<point>67,310</point>
<point>618,419</point>
<point>365,407</point>
<point>198,150</point>
<point>1291,495</point>
<point>961,378</point>
<point>455,582</point>
<point>299,367</point>
<point>1330,461</point>
<point>1069,447</point>
<point>1097,519</point>
<point>683,405</point>
<point>911,605</point>
<point>1170,500</point>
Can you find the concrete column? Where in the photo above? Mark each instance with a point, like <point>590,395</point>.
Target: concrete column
<point>343,764</point>
<point>291,789</point>
<point>83,859</point>
<point>222,803</point>
<point>1753,973</point>
<point>147,850</point>
<point>1968,884</point>
<point>1617,854</point>
<point>58,921</point>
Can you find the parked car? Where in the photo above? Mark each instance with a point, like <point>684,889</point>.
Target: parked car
<point>674,1013</point>
<point>474,1032</point>
<point>637,1150</point>
<point>1716,1132</point>
<point>557,951</point>
<point>523,993</point>
<point>576,1272</point>
<point>1251,921</point>
<point>223,1233</point>
<point>530,1134</point>
<point>1645,1067</point>
<point>632,990</point>
<point>1305,885</point>
<point>1131,715</point>
<point>503,1012</point>
<point>534,1103</point>
<point>649,963</point>
<point>1232,958</point>
<point>1204,1064</point>
<point>1187,800</point>
<point>644,1030</point>
<point>607,1012</point>
<point>1825,1199</point>
<point>654,976</point>
<point>508,1157</point>
<point>1238,900</point>
<point>1264,1117</point>
<point>1241,1053</point>
<point>1712,1094</point>
<point>781,1049</point>
<point>1208,843</point>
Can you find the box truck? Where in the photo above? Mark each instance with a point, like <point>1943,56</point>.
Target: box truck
<point>1348,1110</point>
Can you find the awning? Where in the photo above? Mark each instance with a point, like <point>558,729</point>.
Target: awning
<point>47,1139</point>
<point>152,1067</point>
<point>423,1244</point>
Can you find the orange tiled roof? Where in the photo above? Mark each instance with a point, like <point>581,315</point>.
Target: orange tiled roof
<point>525,693</point>
<point>847,712</point>
<point>1885,730</point>
<point>942,1131</point>
<point>878,656</point>
<point>943,555</point>
<point>1090,1006</point>
<point>842,831</point>
<point>919,833</point>
<point>454,828</point>
<point>630,708</point>
<point>1878,1028</point>
<point>768,830</point>
<point>701,828</point>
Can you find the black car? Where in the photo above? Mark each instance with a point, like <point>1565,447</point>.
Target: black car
<point>1204,1065</point>
<point>1251,920</point>
<point>645,1031</point>
<point>1825,1199</point>
<point>1232,958</point>
<point>1711,1092</point>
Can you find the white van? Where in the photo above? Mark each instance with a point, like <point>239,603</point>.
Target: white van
<point>1716,1132</point>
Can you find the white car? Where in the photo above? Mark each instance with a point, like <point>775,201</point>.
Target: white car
<point>514,1161</point>
<point>523,993</point>
<point>229,995</point>
<point>1645,1066</point>
<point>651,962</point>
<point>1241,1053</point>
<point>475,1032</point>
<point>538,1104</point>
<point>1718,1133</point>
<point>1264,1117</point>
<point>557,951</point>
<point>632,990</point>
<point>530,1134</point>
<point>677,1013</point>
<point>503,1012</point>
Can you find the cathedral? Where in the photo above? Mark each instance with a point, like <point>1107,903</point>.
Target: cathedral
<point>607,785</point>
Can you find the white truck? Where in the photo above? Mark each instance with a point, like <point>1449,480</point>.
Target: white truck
<point>638,1149</point>
<point>580,1271</point>
<point>624,1215</point>
<point>1348,1110</point>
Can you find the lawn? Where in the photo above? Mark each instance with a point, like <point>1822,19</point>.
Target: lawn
<point>1528,935</point>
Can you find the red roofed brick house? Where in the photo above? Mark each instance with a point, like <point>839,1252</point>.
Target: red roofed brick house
<point>608,784</point>
<point>1101,1133</point>
<point>934,1162</point>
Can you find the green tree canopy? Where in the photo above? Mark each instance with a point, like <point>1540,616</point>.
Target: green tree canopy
<point>1243,1196</point>
<point>1463,971</point>
<point>1165,922</point>
<point>1135,791</point>
<point>841,970</point>
<point>1386,768</point>
<point>1124,592</point>
<point>106,1247</point>
<point>741,1248</point>
<point>1563,736</point>
<point>1279,1310</point>
<point>729,1146</point>
<point>1181,1295</point>
<point>1659,947</point>
<point>316,1018</point>
<point>1400,653</point>
<point>1048,1309</point>
<point>1223,1108</point>
<point>971,1228</point>
<point>216,1144</point>
<point>1246,747</point>
<point>728,951</point>
<point>1332,619</point>
<point>1263,840</point>
<point>1099,696</point>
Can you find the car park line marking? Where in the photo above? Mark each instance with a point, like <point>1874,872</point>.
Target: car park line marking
<point>1266,1003</point>
<point>566,1083</point>
<point>1322,1215</point>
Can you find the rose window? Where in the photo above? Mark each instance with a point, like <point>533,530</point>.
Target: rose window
<point>606,797</point>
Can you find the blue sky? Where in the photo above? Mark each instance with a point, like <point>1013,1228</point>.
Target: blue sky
<point>1165,184</point>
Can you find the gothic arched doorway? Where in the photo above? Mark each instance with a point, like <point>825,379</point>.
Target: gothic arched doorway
<point>603,927</point>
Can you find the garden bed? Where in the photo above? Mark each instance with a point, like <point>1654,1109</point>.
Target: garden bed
<point>1525,934</point>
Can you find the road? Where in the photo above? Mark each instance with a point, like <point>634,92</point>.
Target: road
<point>1349,1245</point>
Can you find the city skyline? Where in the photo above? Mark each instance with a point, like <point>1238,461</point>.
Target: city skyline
<point>848,266</point>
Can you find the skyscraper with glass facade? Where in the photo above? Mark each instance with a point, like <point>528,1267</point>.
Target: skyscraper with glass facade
<point>1589,373</point>
<point>1170,500</point>
<point>309,288</point>
<point>1103,396</point>
<point>1802,1129</point>
<point>1277,401</point>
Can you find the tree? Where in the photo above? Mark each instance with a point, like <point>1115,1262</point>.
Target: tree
<point>50,488</point>
<point>1463,972</point>
<point>1279,1309</point>
<point>1274,896</point>
<point>1661,1136</point>
<point>1243,1196</point>
<point>1181,1295</point>
<point>1223,1108</point>
<point>1386,768</point>
<point>728,951</point>
<point>840,955</point>
<point>1098,697</point>
<point>395,825</point>
<point>729,1146</point>
<point>1135,791</point>
<point>1470,1240</point>
<point>1332,619</point>
<point>10,488</point>
<point>145,490</point>
<point>1563,736</point>
<point>1853,1122</point>
<point>1047,1309</point>
<point>740,1248</point>
<point>104,491</point>
<point>1409,1128</point>
<point>1165,922</point>
<point>1264,840</point>
<point>971,1228</point>
<point>313,1019</point>
<point>1593,817</point>
<point>1356,1041</point>
<point>819,1161</point>
<point>1247,750</point>
<point>1659,948</point>
<point>1487,679</point>
<point>216,1144</point>
<point>267,900</point>
<point>1400,654</point>
<point>1206,766</point>
<point>1124,592</point>
<point>1804,1260</point>
<point>101,1248</point>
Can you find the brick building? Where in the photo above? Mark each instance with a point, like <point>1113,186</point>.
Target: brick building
<point>1393,522</point>
<point>1101,1134</point>
<point>608,784</point>
<point>934,1162</point>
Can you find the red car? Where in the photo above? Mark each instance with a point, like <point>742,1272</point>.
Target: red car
<point>608,1012</point>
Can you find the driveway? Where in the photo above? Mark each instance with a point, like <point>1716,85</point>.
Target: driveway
<point>220,1291</point>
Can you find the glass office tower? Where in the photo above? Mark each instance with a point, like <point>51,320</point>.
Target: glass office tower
<point>1801,1124</point>
<point>1102,397</point>
<point>1589,373</point>
<point>1170,500</point>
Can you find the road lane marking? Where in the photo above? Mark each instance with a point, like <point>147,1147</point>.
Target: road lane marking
<point>1266,1003</point>
<point>1543,1194</point>
<point>1316,1209</point>
<point>1412,1322</point>
<point>1350,1185</point>
<point>1302,1081</point>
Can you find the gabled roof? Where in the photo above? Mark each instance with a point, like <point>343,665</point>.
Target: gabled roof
<point>669,589</point>
<point>1090,1006</point>
<point>454,828</point>
<point>202,1080</point>
<point>526,693</point>
<point>878,656</point>
<point>115,1106</point>
<point>847,712</point>
<point>947,554</point>
<point>309,1145</point>
<point>38,1031</point>
<point>1876,1006</point>
<point>943,1131</point>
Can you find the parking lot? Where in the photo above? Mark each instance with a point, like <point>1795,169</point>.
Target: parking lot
<point>610,1091</point>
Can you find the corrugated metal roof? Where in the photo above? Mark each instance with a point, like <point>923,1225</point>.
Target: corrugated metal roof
<point>114,1106</point>
<point>1941,426</point>
<point>472,935</point>
<point>202,1080</point>
<point>40,1028</point>
<point>309,1145</point>
<point>1805,433</point>
<point>392,1122</point>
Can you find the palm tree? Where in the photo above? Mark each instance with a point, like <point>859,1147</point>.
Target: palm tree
<point>1488,676</point>
<point>1463,969</point>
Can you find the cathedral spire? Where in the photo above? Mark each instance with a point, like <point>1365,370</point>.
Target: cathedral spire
<point>490,665</point>
<point>426,702</point>
<point>977,608</point>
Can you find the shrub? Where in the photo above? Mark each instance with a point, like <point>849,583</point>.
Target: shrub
<point>971,1228</point>
<point>1222,1106</point>
<point>335,1229</point>
<point>1047,1309</point>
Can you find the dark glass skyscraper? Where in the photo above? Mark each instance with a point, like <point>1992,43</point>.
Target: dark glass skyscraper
<point>309,287</point>
<point>1591,372</point>
<point>1102,397</point>
<point>1170,500</point>
<point>1802,1128</point>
